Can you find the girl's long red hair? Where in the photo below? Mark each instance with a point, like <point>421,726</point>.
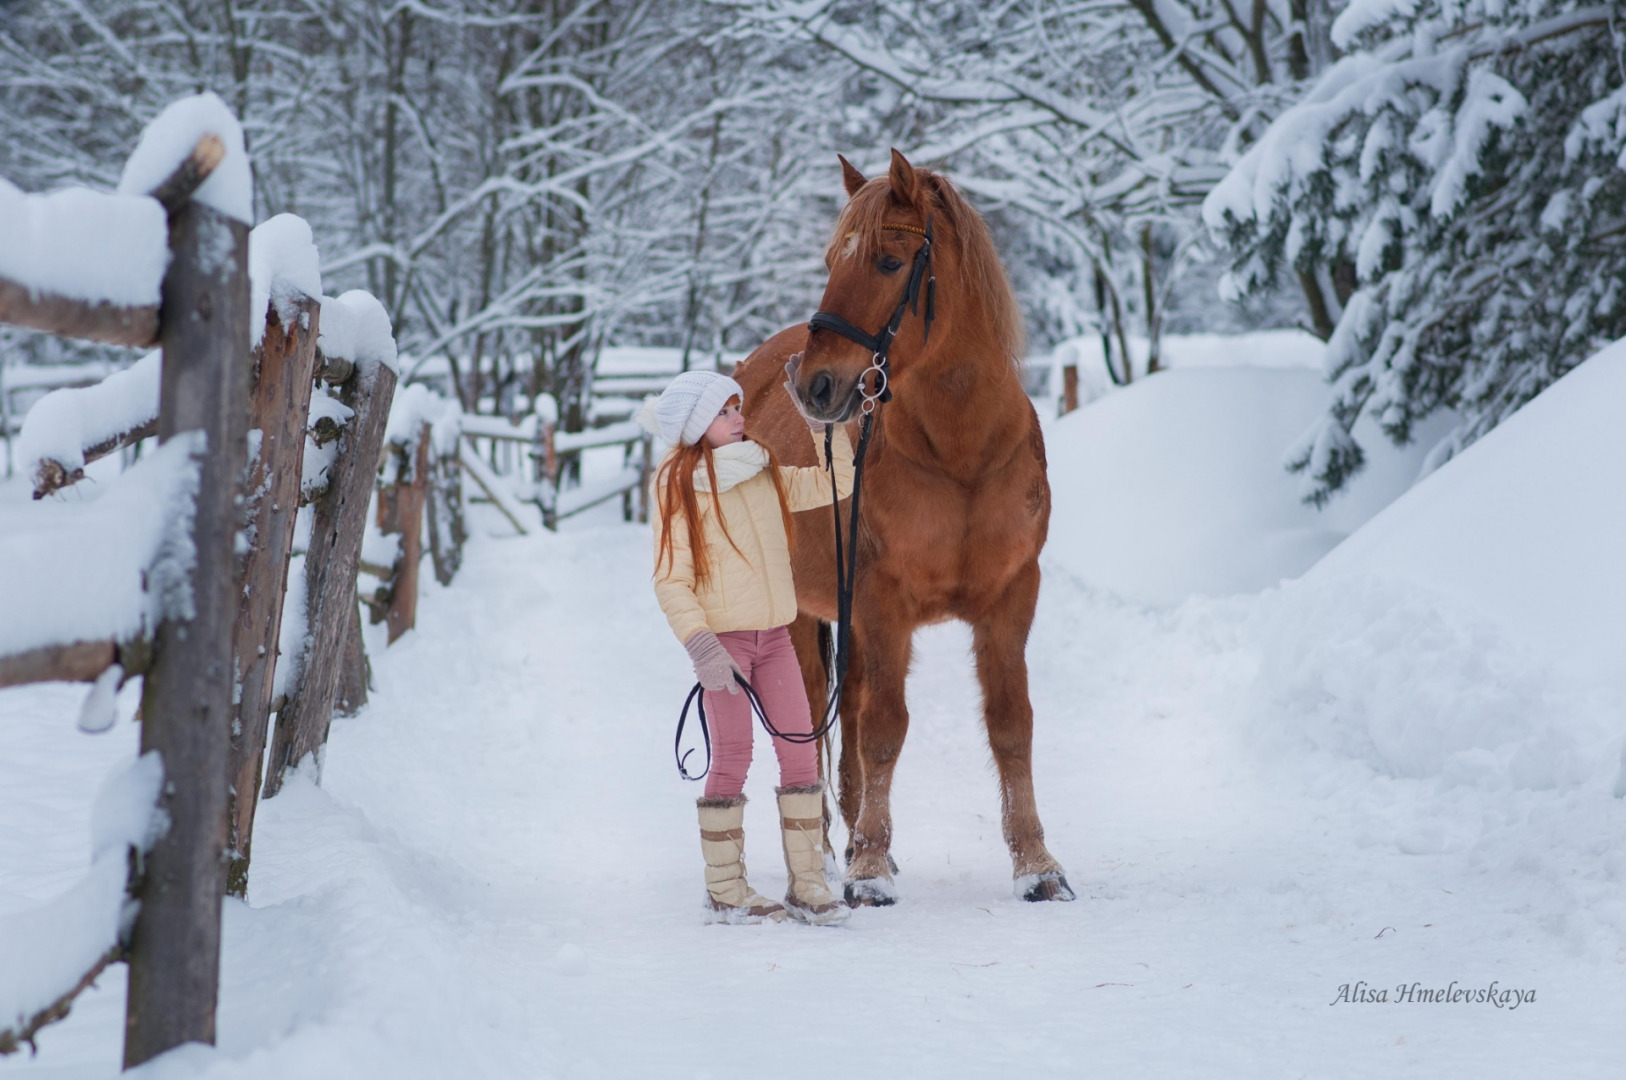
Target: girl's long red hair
<point>677,497</point>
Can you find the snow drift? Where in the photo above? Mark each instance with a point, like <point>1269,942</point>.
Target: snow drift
<point>1175,484</point>
<point>1525,527</point>
<point>1473,630</point>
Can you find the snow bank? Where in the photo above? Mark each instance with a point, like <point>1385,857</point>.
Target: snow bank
<point>63,424</point>
<point>1175,485</point>
<point>355,326</point>
<point>1472,632</point>
<point>1262,348</point>
<point>283,268</point>
<point>44,952</point>
<point>1524,528</point>
<point>85,244</point>
<point>1415,685</point>
<point>103,569</point>
<point>169,139</point>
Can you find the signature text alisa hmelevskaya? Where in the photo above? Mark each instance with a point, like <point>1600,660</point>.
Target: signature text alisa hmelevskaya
<point>1493,994</point>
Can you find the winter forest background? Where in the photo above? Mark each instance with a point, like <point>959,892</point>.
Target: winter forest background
<point>1434,187</point>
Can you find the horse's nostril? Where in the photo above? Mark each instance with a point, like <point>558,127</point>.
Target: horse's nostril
<point>822,389</point>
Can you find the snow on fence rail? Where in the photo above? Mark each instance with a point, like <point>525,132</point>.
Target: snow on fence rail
<point>180,570</point>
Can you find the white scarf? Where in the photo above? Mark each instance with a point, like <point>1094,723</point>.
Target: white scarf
<point>736,463</point>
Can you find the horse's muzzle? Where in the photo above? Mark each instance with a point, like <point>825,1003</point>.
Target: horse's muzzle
<point>824,398</point>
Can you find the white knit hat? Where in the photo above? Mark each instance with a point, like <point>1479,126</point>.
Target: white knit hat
<point>688,406</point>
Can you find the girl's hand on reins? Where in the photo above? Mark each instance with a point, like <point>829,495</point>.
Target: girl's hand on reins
<point>713,667</point>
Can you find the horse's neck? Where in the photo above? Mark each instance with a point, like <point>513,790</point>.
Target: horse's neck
<point>961,417</point>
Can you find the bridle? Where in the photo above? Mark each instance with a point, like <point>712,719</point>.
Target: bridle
<point>879,345</point>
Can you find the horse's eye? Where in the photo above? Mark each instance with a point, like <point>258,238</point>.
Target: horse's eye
<point>888,264</point>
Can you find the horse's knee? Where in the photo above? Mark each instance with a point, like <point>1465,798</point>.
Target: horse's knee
<point>882,752</point>
<point>1012,742</point>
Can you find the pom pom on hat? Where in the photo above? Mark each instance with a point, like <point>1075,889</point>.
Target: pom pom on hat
<point>688,406</point>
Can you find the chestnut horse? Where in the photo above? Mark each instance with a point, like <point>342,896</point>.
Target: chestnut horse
<point>954,505</point>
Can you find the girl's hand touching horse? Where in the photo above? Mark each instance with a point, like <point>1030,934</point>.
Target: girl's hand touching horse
<point>792,367</point>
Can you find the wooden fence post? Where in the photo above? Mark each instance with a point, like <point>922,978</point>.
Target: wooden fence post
<point>1069,388</point>
<point>553,467</point>
<point>400,512</point>
<point>447,530</point>
<point>279,410</point>
<point>643,485</point>
<point>186,702</point>
<point>355,673</point>
<point>338,519</point>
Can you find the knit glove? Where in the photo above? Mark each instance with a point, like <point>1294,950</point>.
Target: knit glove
<point>712,665</point>
<point>792,368</point>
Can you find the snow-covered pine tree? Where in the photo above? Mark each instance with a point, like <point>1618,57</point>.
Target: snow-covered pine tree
<point>1467,158</point>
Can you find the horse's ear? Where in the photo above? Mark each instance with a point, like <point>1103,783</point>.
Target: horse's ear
<point>851,178</point>
<point>904,184</point>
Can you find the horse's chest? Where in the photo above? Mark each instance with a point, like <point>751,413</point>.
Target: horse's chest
<point>946,544</point>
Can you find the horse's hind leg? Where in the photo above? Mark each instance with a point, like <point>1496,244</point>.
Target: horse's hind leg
<point>811,637</point>
<point>1000,640</point>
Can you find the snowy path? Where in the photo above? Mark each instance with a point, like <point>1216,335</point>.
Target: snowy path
<point>499,875</point>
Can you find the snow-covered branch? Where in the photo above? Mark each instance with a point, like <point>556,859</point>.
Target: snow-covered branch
<point>1464,164</point>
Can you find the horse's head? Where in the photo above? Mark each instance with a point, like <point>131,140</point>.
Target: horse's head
<point>871,256</point>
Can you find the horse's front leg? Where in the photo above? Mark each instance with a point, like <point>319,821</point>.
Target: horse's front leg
<point>1000,637</point>
<point>883,722</point>
<point>849,770</point>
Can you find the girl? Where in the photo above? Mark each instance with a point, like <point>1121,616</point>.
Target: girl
<point>723,577</point>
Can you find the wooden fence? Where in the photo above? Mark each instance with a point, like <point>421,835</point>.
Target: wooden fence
<point>535,456</point>
<point>208,665</point>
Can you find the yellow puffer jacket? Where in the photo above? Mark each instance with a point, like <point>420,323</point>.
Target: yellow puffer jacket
<point>749,589</point>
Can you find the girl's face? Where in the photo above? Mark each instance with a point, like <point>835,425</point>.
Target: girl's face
<point>729,427</point>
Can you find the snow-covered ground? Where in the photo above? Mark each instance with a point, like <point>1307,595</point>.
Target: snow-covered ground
<point>1352,779</point>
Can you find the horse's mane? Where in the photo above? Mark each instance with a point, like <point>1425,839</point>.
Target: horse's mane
<point>864,213</point>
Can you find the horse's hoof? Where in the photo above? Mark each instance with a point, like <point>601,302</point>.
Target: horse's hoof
<point>891,863</point>
<point>1050,885</point>
<point>870,892</point>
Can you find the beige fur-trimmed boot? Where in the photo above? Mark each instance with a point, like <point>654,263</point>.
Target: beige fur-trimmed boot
<point>729,899</point>
<point>801,817</point>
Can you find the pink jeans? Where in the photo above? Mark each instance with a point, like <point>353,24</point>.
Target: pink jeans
<point>769,661</point>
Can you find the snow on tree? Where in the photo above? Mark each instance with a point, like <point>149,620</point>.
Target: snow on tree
<point>520,183</point>
<point>1465,159</point>
<point>516,183</point>
<point>1089,132</point>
